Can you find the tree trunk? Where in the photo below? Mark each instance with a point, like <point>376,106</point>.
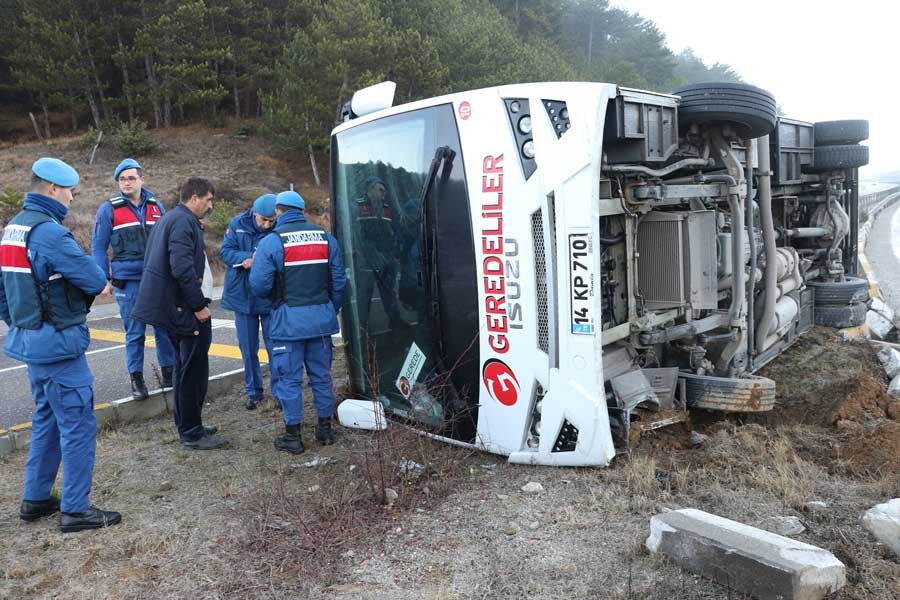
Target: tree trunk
<point>73,119</point>
<point>312,155</point>
<point>97,84</point>
<point>590,48</point>
<point>237,98</point>
<point>37,130</point>
<point>181,120</point>
<point>518,21</point>
<point>167,110</point>
<point>154,89</point>
<point>126,80</point>
<point>45,108</point>
<point>92,102</point>
<point>258,103</point>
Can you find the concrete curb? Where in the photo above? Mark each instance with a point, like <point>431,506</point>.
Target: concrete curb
<point>18,437</point>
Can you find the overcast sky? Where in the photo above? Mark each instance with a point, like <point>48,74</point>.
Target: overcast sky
<point>821,60</point>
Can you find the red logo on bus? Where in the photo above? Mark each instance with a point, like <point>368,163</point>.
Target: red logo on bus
<point>500,382</point>
<point>404,387</point>
<point>465,110</point>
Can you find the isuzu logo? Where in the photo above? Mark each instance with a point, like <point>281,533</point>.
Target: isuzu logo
<point>500,381</point>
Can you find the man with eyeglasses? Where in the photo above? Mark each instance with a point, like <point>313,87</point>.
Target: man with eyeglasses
<point>242,237</point>
<point>125,222</point>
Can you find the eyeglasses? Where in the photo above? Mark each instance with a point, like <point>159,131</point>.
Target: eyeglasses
<point>128,179</point>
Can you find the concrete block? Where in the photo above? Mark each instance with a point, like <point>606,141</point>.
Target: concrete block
<point>894,387</point>
<point>20,435</point>
<point>6,445</point>
<point>222,384</point>
<point>132,410</point>
<point>883,521</point>
<point>879,325</point>
<point>744,558</point>
<point>890,360</point>
<point>104,413</point>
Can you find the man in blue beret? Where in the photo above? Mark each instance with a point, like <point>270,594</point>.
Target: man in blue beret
<point>242,237</point>
<point>301,269</point>
<point>47,286</point>
<point>125,222</point>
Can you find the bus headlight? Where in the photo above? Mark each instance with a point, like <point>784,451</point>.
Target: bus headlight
<point>528,149</point>
<point>525,124</point>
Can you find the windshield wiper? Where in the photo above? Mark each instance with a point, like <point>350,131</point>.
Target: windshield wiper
<point>443,155</point>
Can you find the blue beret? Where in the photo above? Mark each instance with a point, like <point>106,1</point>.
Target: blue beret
<point>292,199</point>
<point>55,171</point>
<point>128,163</point>
<point>373,180</point>
<point>265,205</point>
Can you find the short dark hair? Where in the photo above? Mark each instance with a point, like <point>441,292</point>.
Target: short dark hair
<point>39,185</point>
<point>285,208</point>
<point>196,186</point>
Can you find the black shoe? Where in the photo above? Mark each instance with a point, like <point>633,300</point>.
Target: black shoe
<point>207,442</point>
<point>324,432</point>
<point>290,441</point>
<point>94,518</point>
<point>32,510</point>
<point>211,430</point>
<point>252,402</point>
<point>138,388</point>
<point>167,374</point>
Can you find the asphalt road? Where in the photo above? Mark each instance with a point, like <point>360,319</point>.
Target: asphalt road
<point>883,253</point>
<point>106,356</point>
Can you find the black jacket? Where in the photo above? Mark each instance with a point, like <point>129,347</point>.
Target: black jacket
<point>170,291</point>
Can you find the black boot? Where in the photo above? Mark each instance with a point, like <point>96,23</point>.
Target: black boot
<point>138,388</point>
<point>167,373</point>
<point>324,433</point>
<point>32,510</point>
<point>291,440</point>
<point>93,518</point>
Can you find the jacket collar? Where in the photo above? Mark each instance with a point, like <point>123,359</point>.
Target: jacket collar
<point>290,217</point>
<point>46,205</point>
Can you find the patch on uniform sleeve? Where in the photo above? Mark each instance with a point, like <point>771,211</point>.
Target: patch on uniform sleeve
<point>228,231</point>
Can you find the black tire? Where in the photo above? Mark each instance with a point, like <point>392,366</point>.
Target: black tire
<point>851,131</point>
<point>746,394</point>
<point>840,293</point>
<point>833,158</point>
<point>751,109</point>
<point>839,317</point>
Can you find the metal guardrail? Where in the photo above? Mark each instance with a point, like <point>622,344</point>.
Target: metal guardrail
<point>869,202</point>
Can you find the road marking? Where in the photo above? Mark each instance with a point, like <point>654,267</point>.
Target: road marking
<point>220,350</point>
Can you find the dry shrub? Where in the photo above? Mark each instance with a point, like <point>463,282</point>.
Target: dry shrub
<point>641,482</point>
<point>763,459</point>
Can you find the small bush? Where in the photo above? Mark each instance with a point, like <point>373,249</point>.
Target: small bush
<point>89,139</point>
<point>248,128</point>
<point>10,203</point>
<point>218,219</point>
<point>132,139</point>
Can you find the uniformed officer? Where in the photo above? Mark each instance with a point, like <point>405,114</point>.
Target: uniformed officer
<point>46,288</point>
<point>125,222</point>
<point>242,237</point>
<point>300,268</point>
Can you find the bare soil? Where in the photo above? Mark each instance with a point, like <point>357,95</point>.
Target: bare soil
<point>250,522</point>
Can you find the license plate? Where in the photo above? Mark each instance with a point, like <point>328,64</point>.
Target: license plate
<point>581,278</point>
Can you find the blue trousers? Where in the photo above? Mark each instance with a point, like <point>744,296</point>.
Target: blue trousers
<point>287,361</point>
<point>191,380</point>
<point>63,429</point>
<point>134,333</point>
<point>247,327</point>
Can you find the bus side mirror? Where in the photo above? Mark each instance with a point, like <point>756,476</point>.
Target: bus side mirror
<point>362,414</point>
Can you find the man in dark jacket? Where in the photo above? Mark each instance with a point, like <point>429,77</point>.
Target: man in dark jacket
<point>47,285</point>
<point>300,266</point>
<point>171,297</point>
<point>250,312</point>
<point>124,221</point>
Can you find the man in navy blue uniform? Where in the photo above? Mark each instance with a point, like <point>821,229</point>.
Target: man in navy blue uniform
<point>124,221</point>
<point>250,312</point>
<point>47,286</point>
<point>171,297</point>
<point>300,268</point>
